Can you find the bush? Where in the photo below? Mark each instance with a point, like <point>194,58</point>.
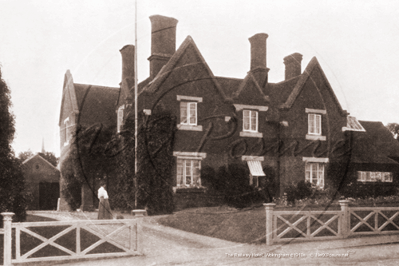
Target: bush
<point>301,190</point>
<point>268,184</point>
<point>304,190</point>
<point>367,190</point>
<point>233,183</point>
<point>208,178</point>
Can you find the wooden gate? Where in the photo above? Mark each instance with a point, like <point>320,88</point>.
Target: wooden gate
<point>68,240</point>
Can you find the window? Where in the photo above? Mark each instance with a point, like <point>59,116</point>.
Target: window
<point>67,131</point>
<point>254,180</point>
<point>120,118</point>
<point>364,176</point>
<point>188,173</point>
<point>314,124</point>
<point>314,173</point>
<point>250,121</point>
<point>188,113</point>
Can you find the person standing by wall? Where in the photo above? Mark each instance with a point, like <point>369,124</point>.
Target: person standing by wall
<point>104,210</point>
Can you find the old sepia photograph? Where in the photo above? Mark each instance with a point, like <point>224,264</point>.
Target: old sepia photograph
<point>209,132</point>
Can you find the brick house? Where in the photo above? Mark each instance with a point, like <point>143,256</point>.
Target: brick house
<point>41,182</point>
<point>84,106</point>
<point>290,130</point>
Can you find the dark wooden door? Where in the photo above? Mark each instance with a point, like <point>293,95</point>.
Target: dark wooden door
<point>48,195</point>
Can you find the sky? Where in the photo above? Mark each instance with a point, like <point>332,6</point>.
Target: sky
<point>356,43</point>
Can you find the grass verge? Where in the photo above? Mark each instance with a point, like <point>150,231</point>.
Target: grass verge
<point>249,225</point>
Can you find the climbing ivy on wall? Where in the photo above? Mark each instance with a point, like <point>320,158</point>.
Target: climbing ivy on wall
<point>98,153</point>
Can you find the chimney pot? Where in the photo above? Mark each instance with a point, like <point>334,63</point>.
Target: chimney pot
<point>293,65</point>
<point>258,51</point>
<point>258,58</point>
<point>163,42</point>
<point>128,54</point>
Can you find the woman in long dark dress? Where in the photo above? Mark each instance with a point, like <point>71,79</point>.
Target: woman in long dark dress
<point>104,210</point>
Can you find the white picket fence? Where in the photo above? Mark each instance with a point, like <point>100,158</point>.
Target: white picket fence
<point>69,240</point>
<point>322,225</point>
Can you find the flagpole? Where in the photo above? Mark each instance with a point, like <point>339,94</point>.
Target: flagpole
<point>135,109</point>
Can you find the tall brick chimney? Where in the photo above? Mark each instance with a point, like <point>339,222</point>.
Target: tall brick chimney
<point>127,53</point>
<point>293,65</point>
<point>258,58</point>
<point>163,42</point>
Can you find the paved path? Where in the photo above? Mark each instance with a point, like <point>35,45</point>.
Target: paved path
<point>168,246</point>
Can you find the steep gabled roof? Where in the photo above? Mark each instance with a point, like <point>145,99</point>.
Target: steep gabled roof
<point>229,85</point>
<point>246,83</point>
<point>97,104</point>
<point>313,64</point>
<point>280,91</point>
<point>68,91</point>
<point>93,104</point>
<point>140,89</point>
<point>42,159</point>
<point>376,145</point>
<point>167,69</point>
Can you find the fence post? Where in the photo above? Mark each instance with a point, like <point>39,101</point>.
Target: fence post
<point>7,219</point>
<point>139,233</point>
<point>345,222</point>
<point>269,222</point>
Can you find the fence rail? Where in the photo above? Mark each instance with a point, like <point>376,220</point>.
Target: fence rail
<point>68,240</point>
<point>316,225</point>
<point>312,225</point>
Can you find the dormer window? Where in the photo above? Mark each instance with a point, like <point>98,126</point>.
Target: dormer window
<point>250,121</point>
<point>120,118</point>
<point>315,129</point>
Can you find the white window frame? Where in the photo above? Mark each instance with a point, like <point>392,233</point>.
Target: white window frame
<point>320,173</point>
<point>250,121</point>
<point>67,136</point>
<point>313,127</point>
<point>369,176</point>
<point>120,114</point>
<point>187,120</point>
<point>181,179</point>
<point>253,180</point>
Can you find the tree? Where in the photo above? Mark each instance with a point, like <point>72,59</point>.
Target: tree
<point>50,157</point>
<point>23,156</point>
<point>12,196</point>
<point>394,128</point>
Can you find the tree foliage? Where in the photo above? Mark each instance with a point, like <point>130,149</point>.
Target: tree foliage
<point>98,153</point>
<point>48,156</point>
<point>232,182</point>
<point>23,156</point>
<point>394,129</point>
<point>12,196</point>
<point>87,162</point>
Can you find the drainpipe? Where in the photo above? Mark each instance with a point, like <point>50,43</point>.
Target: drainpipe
<point>278,134</point>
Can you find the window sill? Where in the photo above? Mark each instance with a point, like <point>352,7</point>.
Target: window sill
<point>251,134</point>
<point>189,189</point>
<point>189,127</point>
<point>315,137</point>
